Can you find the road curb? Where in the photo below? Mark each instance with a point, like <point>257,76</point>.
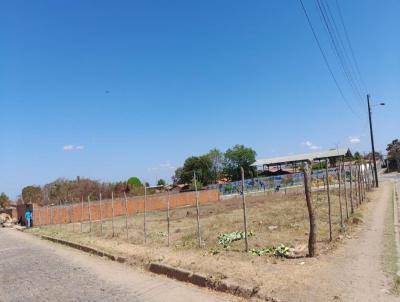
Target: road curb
<point>176,273</point>
<point>203,281</point>
<point>396,226</point>
<point>86,249</point>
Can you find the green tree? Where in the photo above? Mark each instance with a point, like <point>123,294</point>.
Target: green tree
<point>236,157</point>
<point>217,163</point>
<point>176,178</point>
<point>199,164</point>
<point>357,156</point>
<point>393,150</point>
<point>4,200</point>
<point>161,182</point>
<point>134,182</point>
<point>32,194</point>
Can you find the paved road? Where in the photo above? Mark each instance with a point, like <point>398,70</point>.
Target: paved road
<point>35,270</point>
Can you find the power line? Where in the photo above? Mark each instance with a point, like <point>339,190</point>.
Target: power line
<point>327,62</point>
<point>346,59</point>
<point>350,44</point>
<point>336,41</point>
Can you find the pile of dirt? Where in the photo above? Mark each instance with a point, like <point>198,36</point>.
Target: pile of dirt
<point>5,220</point>
<point>4,217</point>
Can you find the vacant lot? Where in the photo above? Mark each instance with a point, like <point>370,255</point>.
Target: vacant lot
<point>275,218</point>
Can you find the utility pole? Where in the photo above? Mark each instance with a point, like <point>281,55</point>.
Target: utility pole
<point>372,141</point>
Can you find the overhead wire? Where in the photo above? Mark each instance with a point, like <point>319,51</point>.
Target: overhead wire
<point>346,57</point>
<point>327,62</point>
<point>336,43</point>
<point>350,45</point>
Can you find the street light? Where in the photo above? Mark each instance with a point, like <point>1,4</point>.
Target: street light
<point>372,139</point>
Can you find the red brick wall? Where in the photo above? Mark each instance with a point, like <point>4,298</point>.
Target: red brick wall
<point>76,212</point>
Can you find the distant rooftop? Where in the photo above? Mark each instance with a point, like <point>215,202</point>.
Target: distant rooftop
<point>314,156</point>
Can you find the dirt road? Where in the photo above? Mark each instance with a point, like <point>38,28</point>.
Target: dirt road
<point>34,270</point>
<point>355,271</point>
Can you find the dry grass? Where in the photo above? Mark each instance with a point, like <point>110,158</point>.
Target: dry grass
<point>275,218</point>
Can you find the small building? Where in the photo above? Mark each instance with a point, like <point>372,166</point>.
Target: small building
<point>291,164</point>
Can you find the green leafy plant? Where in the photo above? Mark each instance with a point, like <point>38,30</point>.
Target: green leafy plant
<point>280,251</point>
<point>261,251</point>
<point>226,239</point>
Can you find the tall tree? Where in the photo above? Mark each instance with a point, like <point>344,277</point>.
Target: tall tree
<point>176,178</point>
<point>32,194</point>
<point>161,182</point>
<point>134,182</point>
<point>393,150</point>
<point>236,157</point>
<point>199,164</point>
<point>217,163</point>
<point>357,155</point>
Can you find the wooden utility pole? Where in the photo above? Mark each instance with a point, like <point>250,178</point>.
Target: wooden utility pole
<point>112,213</point>
<point>198,209</point>
<point>126,216</point>
<point>244,212</point>
<point>329,200</point>
<point>372,141</point>
<point>312,237</point>
<point>373,177</point>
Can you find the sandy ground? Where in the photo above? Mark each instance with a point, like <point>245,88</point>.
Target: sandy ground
<point>37,270</point>
<point>355,271</point>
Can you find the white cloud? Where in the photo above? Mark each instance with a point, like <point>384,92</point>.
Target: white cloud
<point>354,139</point>
<point>311,146</point>
<point>167,165</point>
<point>163,166</point>
<point>70,148</point>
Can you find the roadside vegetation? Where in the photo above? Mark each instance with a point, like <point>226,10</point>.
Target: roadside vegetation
<point>390,256</point>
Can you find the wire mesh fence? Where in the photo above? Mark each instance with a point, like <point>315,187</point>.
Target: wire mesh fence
<point>274,216</point>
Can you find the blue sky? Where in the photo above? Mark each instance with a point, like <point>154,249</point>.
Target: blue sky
<point>112,89</point>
